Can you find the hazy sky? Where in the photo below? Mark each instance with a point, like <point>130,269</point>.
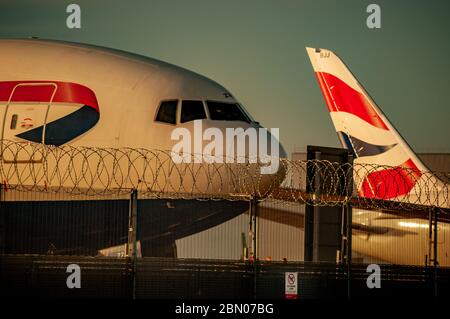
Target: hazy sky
<point>256,49</point>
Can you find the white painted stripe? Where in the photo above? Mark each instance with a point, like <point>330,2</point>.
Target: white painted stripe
<point>327,61</point>
<point>393,157</point>
<point>356,127</point>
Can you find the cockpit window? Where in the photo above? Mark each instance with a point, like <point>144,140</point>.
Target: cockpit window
<point>222,111</point>
<point>192,110</point>
<point>167,112</point>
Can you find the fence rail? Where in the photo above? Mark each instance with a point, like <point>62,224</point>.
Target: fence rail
<point>157,278</point>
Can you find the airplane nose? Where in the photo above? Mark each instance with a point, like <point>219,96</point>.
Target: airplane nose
<point>238,158</point>
<point>262,176</point>
<point>252,141</point>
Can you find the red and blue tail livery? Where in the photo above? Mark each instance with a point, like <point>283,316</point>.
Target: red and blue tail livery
<point>48,112</point>
<point>365,131</point>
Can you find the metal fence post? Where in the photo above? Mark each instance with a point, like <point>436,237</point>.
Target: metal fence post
<point>348,208</point>
<point>132,244</point>
<point>343,251</point>
<point>253,226</point>
<point>435,250</point>
<point>430,238</point>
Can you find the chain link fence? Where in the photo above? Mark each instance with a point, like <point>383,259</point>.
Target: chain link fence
<point>157,217</point>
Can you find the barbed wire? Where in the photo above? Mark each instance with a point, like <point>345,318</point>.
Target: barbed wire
<point>107,171</point>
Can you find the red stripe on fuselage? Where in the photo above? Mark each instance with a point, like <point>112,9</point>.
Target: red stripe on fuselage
<point>392,182</point>
<point>66,92</point>
<point>340,97</point>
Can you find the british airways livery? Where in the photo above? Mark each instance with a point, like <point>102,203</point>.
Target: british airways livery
<point>365,131</point>
<point>395,172</point>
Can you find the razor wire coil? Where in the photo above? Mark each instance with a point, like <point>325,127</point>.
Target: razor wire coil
<point>73,170</point>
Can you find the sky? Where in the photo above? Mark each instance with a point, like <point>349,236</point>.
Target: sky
<point>256,49</point>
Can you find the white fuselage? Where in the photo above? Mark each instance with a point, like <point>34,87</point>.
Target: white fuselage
<point>128,89</point>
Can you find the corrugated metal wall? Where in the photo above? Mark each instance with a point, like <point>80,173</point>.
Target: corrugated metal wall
<point>438,162</point>
<point>224,241</point>
<point>280,231</point>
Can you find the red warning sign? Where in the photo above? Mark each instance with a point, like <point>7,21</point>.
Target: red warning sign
<point>291,284</point>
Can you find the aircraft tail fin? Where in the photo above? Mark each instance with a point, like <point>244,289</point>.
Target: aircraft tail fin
<point>364,130</point>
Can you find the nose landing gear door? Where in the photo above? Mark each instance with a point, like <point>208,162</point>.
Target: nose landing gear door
<point>26,111</point>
